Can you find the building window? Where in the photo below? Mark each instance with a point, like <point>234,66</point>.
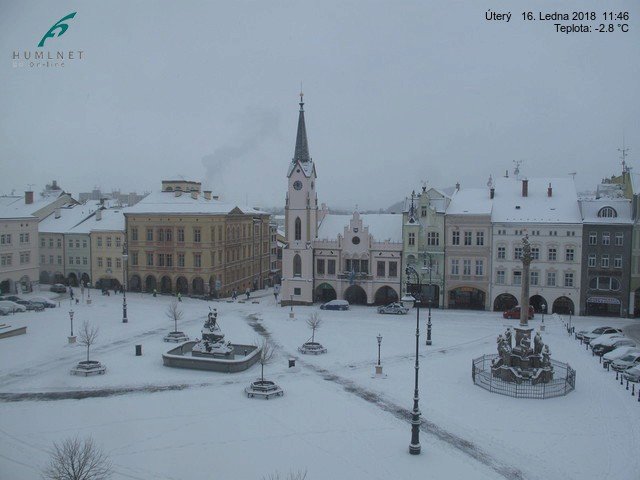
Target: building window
<point>500,277</point>
<point>100,262</point>
<point>455,238</point>
<point>134,234</point>
<point>380,270</point>
<point>552,254</point>
<point>51,259</point>
<point>180,234</point>
<point>568,279</point>
<point>84,261</point>
<point>607,212</point>
<point>298,229</point>
<point>99,241</point>
<point>197,260</point>
<point>168,235</point>
<point>197,235</point>
<point>84,244</point>
<point>331,267</point>
<point>393,269</point>
<point>535,253</point>
<point>118,262</point>
<point>43,243</point>
<point>467,238</point>
<point>320,266</point>
<point>297,291</point>
<point>160,260</point>
<point>169,260</point>
<point>70,260</point>
<point>134,258</point>
<point>479,239</point>
<point>433,239</point>
<point>592,260</point>
<point>59,259</point>
<point>160,235</point>
<point>59,243</point>
<point>149,259</point>
<point>479,268</point>
<point>297,264</point>
<point>606,238</point>
<point>593,238</point>
<point>517,277</point>
<point>569,253</point>
<point>617,261</point>
<point>108,242</point>
<point>604,261</point>
<point>181,259</point>
<point>502,253</point>
<point>619,239</point>
<point>149,234</point>
<point>70,243</point>
<point>51,243</point>
<point>517,253</point>
<point>118,242</point>
<point>604,283</point>
<point>534,278</point>
<point>77,260</point>
<point>77,243</point>
<point>42,260</point>
<point>108,262</point>
<point>455,270</point>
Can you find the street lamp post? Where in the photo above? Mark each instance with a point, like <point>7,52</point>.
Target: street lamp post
<point>430,294</point>
<point>543,307</point>
<point>291,314</point>
<point>125,257</point>
<point>379,337</point>
<point>72,338</point>
<point>414,446</point>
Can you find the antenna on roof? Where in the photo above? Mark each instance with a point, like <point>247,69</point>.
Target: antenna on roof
<point>624,150</point>
<point>516,170</point>
<point>30,186</point>
<point>573,175</point>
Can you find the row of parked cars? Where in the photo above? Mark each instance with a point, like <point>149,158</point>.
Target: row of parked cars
<point>392,308</point>
<point>13,304</point>
<point>616,350</point>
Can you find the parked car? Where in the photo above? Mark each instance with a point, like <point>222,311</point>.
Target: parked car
<point>45,301</point>
<point>13,306</point>
<point>632,374</point>
<point>589,337</point>
<point>335,305</point>
<point>629,360</point>
<point>5,310</point>
<point>11,298</point>
<point>619,352</point>
<point>31,305</point>
<point>597,330</point>
<point>515,313</point>
<point>608,345</point>
<point>394,308</point>
<point>58,288</point>
<point>607,337</point>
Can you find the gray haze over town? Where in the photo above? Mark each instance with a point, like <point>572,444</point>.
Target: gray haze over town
<point>395,94</point>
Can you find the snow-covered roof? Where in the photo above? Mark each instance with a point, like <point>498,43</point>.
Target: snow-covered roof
<point>470,201</point>
<point>110,220</point>
<point>591,207</point>
<point>383,226</point>
<point>168,202</point>
<point>537,207</point>
<point>436,200</point>
<point>15,207</point>
<point>70,216</point>
<point>306,167</point>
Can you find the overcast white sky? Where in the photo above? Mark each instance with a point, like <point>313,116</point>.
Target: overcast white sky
<point>395,92</point>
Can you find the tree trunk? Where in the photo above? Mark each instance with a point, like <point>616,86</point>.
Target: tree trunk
<point>313,335</point>
<point>87,353</point>
<point>262,372</point>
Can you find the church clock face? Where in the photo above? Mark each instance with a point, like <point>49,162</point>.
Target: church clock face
<point>297,185</point>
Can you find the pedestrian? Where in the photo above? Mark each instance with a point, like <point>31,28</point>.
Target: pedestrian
<point>234,295</point>
<point>248,293</point>
<point>155,292</point>
<point>71,292</point>
<point>179,297</point>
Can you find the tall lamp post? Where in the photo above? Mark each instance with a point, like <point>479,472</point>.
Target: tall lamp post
<point>414,446</point>
<point>72,338</point>
<point>125,257</point>
<point>430,295</point>
<point>543,307</point>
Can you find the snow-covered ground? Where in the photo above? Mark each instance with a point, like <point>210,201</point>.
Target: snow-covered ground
<point>335,420</point>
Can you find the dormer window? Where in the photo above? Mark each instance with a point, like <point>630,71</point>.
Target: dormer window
<point>607,212</point>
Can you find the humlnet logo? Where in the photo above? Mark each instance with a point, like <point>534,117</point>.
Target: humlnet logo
<point>49,58</point>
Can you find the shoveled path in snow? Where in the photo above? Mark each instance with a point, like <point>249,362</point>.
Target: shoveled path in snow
<point>469,448</point>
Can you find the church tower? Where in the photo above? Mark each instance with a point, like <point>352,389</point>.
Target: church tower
<point>301,222</point>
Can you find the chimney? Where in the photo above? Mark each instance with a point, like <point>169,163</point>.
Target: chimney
<point>549,191</point>
<point>194,195</point>
<point>492,193</point>
<point>207,194</point>
<point>99,214</point>
<point>215,197</point>
<point>457,185</point>
<point>506,174</point>
<point>54,185</point>
<point>525,188</point>
<point>57,214</point>
<point>28,197</point>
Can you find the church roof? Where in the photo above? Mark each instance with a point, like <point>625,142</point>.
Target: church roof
<point>301,155</point>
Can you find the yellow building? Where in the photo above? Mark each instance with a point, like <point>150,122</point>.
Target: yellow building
<point>184,240</point>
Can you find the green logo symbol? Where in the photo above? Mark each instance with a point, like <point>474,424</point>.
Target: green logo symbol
<point>59,25</point>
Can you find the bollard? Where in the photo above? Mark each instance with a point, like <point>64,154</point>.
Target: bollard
<point>633,390</point>
<point>580,341</point>
<point>586,346</point>
<point>138,350</point>
<point>621,380</point>
<point>608,366</point>
<point>627,384</point>
<point>616,375</point>
<point>600,359</point>
<point>593,353</point>
<point>292,362</point>
<point>639,394</point>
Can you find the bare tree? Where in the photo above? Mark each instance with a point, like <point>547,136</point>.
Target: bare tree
<point>87,336</point>
<point>314,321</point>
<point>266,355</point>
<point>76,459</point>
<point>174,313</point>
<point>297,475</point>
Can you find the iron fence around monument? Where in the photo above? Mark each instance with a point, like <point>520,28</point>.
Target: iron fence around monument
<point>564,380</point>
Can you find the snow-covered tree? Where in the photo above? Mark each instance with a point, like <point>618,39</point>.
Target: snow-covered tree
<point>298,475</point>
<point>314,321</point>
<point>174,313</point>
<point>266,355</point>
<point>87,336</point>
<point>76,459</point>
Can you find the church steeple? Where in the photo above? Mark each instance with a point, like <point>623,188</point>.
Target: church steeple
<point>301,153</point>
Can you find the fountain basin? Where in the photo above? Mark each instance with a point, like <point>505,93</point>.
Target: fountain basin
<point>242,357</point>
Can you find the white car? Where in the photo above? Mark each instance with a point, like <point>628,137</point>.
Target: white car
<point>632,374</point>
<point>589,337</point>
<point>45,301</point>
<point>5,310</point>
<point>605,338</point>
<point>618,353</point>
<point>611,344</point>
<point>622,363</point>
<point>15,307</point>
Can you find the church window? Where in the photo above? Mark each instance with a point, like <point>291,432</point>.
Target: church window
<point>297,266</point>
<point>298,229</point>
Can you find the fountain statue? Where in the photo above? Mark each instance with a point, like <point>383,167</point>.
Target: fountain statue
<point>212,342</point>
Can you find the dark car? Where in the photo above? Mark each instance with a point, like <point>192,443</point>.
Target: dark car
<point>11,298</point>
<point>611,344</point>
<point>37,306</point>
<point>393,308</point>
<point>58,288</point>
<point>515,313</point>
<point>335,305</point>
